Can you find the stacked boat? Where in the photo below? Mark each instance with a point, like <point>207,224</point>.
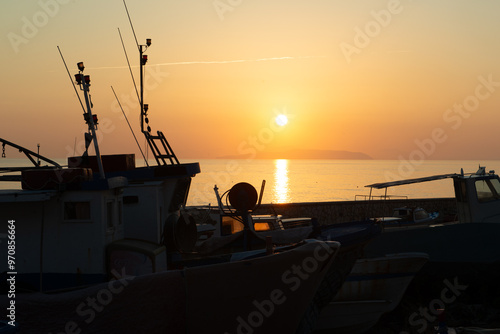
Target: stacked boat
<point>355,292</point>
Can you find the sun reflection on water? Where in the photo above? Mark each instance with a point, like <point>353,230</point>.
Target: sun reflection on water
<point>281,192</point>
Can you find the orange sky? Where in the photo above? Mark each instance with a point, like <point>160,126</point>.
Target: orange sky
<point>392,79</point>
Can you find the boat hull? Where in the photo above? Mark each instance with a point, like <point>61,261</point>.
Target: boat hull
<point>445,243</point>
<point>375,286</point>
<point>256,294</point>
<point>351,317</point>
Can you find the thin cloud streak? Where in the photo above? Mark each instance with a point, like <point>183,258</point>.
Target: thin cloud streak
<point>211,62</point>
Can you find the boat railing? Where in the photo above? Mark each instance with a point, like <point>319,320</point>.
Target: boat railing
<point>379,197</point>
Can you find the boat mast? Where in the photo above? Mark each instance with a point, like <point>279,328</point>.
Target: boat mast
<point>158,144</point>
<point>142,61</point>
<point>84,82</point>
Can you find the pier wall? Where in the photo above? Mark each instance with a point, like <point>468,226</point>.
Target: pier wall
<point>339,212</point>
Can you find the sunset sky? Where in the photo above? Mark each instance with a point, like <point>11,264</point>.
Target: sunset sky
<point>409,79</point>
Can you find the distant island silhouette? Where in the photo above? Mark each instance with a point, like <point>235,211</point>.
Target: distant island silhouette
<point>303,154</point>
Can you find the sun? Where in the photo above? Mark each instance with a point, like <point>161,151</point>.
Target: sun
<point>281,120</point>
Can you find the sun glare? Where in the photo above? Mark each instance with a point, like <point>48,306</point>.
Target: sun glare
<point>281,120</point>
<point>281,191</point>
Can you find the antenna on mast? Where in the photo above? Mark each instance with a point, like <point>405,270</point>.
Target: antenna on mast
<point>163,153</point>
<point>142,61</point>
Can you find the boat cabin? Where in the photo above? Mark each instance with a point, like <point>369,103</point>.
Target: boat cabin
<point>61,235</point>
<point>152,197</point>
<point>477,194</point>
<point>478,197</point>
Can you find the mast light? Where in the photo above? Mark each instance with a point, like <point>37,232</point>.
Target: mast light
<point>144,59</point>
<point>86,117</point>
<point>78,78</point>
<point>148,41</point>
<point>80,66</point>
<point>146,107</point>
<point>87,79</point>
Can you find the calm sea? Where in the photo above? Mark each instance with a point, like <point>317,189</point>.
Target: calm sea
<point>325,180</point>
<point>315,180</point>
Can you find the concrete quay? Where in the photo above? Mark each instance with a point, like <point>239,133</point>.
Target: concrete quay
<point>346,211</point>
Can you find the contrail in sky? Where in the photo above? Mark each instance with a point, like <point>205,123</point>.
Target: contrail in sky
<point>216,62</point>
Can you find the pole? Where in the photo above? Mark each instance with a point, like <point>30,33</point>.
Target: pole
<point>92,128</point>
<point>142,87</point>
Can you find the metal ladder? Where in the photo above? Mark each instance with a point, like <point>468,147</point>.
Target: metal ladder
<point>161,152</point>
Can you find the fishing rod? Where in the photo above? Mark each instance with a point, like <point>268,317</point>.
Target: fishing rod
<point>123,112</point>
<point>129,67</point>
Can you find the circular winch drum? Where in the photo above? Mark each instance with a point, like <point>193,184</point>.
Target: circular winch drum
<point>243,196</point>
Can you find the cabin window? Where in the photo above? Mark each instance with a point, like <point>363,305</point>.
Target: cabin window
<point>130,199</point>
<point>180,193</point>
<point>488,190</point>
<point>401,212</point>
<point>77,211</point>
<point>262,226</point>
